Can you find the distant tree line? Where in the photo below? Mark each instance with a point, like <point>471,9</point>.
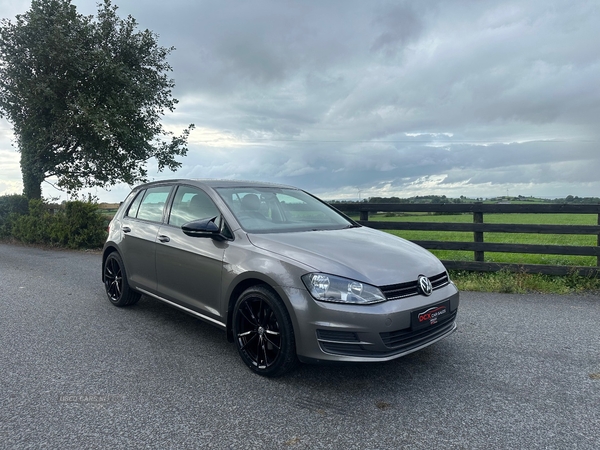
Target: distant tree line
<point>463,199</point>
<point>416,199</point>
<point>575,199</point>
<point>420,199</point>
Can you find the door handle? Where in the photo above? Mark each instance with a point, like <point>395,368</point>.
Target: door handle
<point>163,238</point>
<point>126,229</point>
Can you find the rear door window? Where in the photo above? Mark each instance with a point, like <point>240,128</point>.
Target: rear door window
<point>153,204</point>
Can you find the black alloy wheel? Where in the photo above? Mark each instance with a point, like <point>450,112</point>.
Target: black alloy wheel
<point>263,332</point>
<point>115,282</point>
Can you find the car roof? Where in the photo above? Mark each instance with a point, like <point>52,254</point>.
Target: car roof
<point>213,183</point>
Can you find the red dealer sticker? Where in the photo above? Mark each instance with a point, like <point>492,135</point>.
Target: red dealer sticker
<point>430,315</point>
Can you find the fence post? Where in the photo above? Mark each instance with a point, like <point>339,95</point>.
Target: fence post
<point>364,215</point>
<point>598,244</point>
<point>478,235</point>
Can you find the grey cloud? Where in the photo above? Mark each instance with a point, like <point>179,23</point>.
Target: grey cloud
<point>327,165</point>
<point>323,94</point>
<point>480,65</point>
<point>400,25</point>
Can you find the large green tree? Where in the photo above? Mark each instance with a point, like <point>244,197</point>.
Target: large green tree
<point>85,96</point>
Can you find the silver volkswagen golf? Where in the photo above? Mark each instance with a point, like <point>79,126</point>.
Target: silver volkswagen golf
<point>286,275</point>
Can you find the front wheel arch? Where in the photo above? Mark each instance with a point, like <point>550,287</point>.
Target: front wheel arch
<point>263,332</point>
<point>249,280</point>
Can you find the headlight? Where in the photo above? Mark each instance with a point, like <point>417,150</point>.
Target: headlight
<point>329,288</point>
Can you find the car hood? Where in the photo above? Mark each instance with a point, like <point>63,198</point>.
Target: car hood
<point>362,254</point>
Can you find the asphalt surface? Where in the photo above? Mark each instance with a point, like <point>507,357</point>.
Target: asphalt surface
<point>522,372</point>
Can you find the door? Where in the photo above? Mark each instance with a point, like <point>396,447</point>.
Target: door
<point>189,268</point>
<point>140,227</point>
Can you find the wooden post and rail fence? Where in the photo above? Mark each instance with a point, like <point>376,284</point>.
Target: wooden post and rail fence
<point>478,227</point>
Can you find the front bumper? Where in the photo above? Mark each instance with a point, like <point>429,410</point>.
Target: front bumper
<point>367,333</point>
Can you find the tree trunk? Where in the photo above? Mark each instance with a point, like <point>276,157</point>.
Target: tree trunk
<point>33,176</point>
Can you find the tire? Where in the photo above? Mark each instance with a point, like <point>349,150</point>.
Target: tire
<point>263,332</point>
<point>115,282</point>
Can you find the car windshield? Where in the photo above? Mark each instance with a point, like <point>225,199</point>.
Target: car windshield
<point>272,210</point>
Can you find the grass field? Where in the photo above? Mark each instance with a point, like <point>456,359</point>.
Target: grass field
<point>108,209</point>
<point>512,238</point>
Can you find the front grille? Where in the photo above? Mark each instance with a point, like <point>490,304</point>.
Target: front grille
<point>410,288</point>
<point>407,338</point>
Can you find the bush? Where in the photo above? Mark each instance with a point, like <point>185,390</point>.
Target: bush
<point>77,224</point>
<point>10,207</point>
<point>33,228</point>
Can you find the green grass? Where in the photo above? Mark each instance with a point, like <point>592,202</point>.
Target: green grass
<point>512,238</point>
<point>522,283</point>
<point>108,210</point>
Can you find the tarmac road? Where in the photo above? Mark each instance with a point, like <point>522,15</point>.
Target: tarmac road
<point>522,372</point>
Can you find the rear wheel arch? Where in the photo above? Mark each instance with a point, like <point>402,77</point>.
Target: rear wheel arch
<point>117,287</point>
<point>107,251</point>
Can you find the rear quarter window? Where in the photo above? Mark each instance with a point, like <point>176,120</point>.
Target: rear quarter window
<point>135,205</point>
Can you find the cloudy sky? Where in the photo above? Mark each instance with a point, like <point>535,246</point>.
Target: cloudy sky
<point>376,98</point>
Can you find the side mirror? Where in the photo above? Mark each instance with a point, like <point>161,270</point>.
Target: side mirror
<point>203,228</point>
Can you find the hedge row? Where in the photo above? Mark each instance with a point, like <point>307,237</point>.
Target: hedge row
<point>75,224</point>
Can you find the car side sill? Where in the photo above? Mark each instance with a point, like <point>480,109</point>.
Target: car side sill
<point>183,308</point>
